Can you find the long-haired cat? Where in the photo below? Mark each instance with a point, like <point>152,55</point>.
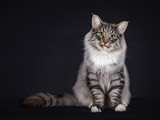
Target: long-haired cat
<point>102,78</point>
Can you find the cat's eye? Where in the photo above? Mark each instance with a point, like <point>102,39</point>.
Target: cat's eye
<point>100,34</point>
<point>112,36</point>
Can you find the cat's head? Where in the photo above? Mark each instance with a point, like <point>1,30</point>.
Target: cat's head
<point>106,36</point>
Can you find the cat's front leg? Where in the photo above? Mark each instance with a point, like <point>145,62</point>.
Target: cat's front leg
<point>115,92</point>
<point>97,93</point>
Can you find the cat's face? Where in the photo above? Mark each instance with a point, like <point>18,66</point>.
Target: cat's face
<point>106,36</point>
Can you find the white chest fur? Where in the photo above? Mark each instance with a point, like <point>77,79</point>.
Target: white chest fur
<point>105,59</point>
<point>108,62</point>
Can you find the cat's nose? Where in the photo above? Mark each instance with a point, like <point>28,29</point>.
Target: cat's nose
<point>105,40</point>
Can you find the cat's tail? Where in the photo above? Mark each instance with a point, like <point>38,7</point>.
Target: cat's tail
<point>47,100</point>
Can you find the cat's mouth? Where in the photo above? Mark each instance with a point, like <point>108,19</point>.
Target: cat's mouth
<point>103,44</point>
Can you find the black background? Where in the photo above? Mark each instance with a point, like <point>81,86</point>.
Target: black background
<point>41,44</point>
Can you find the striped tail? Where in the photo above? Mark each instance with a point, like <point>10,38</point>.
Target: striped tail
<point>48,100</point>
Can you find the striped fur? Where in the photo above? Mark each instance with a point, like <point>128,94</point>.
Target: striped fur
<point>102,78</point>
<point>48,100</point>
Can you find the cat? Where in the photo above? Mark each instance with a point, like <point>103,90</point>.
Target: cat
<point>102,79</point>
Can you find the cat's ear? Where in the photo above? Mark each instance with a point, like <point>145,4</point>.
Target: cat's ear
<point>122,26</point>
<point>96,21</point>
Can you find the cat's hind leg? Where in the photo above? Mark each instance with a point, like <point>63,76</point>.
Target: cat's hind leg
<point>126,95</point>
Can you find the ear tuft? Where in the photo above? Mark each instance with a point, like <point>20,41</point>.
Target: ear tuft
<point>122,26</point>
<point>96,21</point>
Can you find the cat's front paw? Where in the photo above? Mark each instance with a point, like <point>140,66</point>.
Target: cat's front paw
<point>95,109</point>
<point>120,108</point>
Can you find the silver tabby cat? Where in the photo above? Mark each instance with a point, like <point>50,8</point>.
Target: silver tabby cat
<point>102,78</point>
